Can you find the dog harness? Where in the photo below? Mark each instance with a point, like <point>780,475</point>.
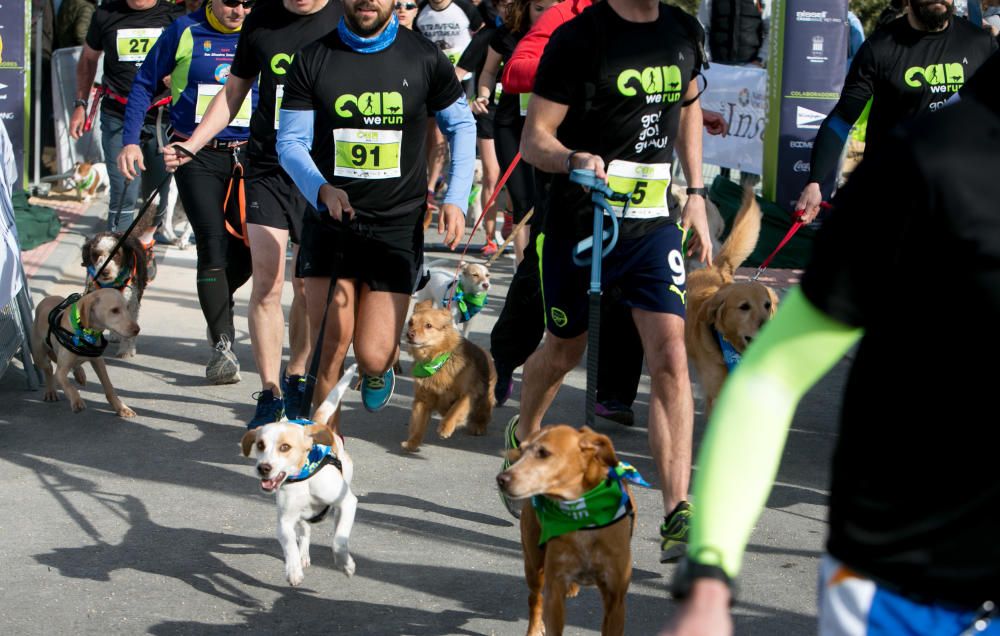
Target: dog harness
<point>468,304</point>
<point>730,355</point>
<point>89,343</point>
<point>602,506</point>
<point>427,369</point>
<point>320,455</point>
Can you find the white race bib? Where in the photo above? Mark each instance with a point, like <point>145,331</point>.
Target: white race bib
<point>649,184</point>
<point>205,94</point>
<point>367,154</point>
<point>133,44</point>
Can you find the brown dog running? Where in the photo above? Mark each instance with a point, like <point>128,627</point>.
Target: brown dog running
<point>562,464</point>
<point>452,376</point>
<point>719,306</point>
<point>98,311</point>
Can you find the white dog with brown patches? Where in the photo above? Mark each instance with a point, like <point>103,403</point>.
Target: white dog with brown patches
<point>465,295</point>
<point>309,470</point>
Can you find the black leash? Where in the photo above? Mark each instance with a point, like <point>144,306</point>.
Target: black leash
<point>142,211</point>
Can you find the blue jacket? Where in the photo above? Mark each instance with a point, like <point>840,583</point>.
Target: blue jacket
<point>197,58</point>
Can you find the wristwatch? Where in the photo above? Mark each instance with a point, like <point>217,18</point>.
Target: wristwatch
<point>80,102</point>
<point>703,191</point>
<point>688,571</point>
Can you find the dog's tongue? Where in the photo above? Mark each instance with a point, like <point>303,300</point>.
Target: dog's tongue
<point>270,485</point>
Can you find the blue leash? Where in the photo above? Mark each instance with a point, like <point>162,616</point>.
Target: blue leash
<point>599,245</point>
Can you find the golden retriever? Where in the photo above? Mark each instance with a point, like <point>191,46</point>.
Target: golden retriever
<point>459,385</point>
<point>719,306</point>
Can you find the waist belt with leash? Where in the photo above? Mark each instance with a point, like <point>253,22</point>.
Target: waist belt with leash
<point>235,188</point>
<point>98,93</point>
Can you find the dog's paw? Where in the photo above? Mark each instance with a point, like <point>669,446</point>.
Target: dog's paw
<point>125,411</point>
<point>294,574</point>
<point>444,432</point>
<point>77,405</point>
<point>124,354</point>
<point>573,590</point>
<point>410,447</point>
<point>306,561</point>
<point>344,562</point>
<point>50,396</point>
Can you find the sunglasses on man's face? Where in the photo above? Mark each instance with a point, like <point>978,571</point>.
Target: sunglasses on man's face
<point>232,4</point>
<point>409,6</point>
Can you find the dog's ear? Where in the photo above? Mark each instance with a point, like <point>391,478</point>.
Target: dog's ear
<point>423,305</point>
<point>711,311</point>
<point>774,300</point>
<point>87,304</point>
<point>320,434</point>
<point>599,445</point>
<point>513,455</point>
<point>249,439</point>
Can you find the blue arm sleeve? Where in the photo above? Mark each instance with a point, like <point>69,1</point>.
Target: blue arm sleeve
<point>158,64</point>
<point>459,126</point>
<point>295,138</point>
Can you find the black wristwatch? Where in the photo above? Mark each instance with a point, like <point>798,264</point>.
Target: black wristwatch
<point>703,191</point>
<point>689,571</point>
<point>80,102</point>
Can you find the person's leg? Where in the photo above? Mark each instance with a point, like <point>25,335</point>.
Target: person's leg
<point>267,320</point>
<point>337,334</point>
<point>520,185</point>
<point>620,366</point>
<point>299,334</point>
<point>376,334</point>
<point>543,375</point>
<point>491,173</point>
<point>154,176</point>
<point>121,193</point>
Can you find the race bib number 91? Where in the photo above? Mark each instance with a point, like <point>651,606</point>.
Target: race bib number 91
<point>367,154</point>
<point>205,94</point>
<point>134,44</point>
<point>648,183</point>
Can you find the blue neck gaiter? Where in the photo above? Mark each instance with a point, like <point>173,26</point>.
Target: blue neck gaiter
<point>378,43</point>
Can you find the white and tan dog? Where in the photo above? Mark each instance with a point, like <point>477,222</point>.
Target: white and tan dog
<point>300,464</point>
<point>88,179</point>
<point>473,279</point>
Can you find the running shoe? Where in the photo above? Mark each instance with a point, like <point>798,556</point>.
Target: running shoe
<point>674,533</point>
<point>615,411</point>
<point>223,367</point>
<point>269,409</point>
<point>510,443</point>
<point>293,391</point>
<point>377,389</point>
<point>505,384</point>
<point>489,249</point>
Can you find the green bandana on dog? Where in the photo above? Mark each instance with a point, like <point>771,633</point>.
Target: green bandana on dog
<point>427,369</point>
<point>600,507</point>
<point>468,304</point>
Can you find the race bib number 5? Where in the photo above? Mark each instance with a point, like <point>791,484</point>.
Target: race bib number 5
<point>648,183</point>
<point>367,154</point>
<point>134,44</point>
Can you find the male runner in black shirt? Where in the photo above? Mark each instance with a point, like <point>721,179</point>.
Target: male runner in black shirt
<point>352,137</point>
<point>610,97</point>
<point>273,33</point>
<point>910,66</point>
<point>125,31</point>
<point>912,545</point>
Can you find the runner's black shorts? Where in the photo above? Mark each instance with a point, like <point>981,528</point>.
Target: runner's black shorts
<point>386,256</point>
<point>647,270</point>
<point>484,124</point>
<point>274,200</point>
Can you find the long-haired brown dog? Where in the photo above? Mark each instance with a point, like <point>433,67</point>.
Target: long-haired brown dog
<point>452,376</point>
<point>562,464</point>
<point>126,272</point>
<point>719,306</point>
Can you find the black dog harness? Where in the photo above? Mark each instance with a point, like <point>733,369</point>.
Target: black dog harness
<point>89,343</point>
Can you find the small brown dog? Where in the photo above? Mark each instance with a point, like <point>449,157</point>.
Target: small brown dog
<point>570,470</point>
<point>126,272</point>
<point>88,317</point>
<point>719,306</point>
<point>452,376</point>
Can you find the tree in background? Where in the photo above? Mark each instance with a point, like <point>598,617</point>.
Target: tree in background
<point>868,12</point>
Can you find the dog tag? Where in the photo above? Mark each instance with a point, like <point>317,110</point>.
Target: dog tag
<point>648,183</point>
<point>205,94</point>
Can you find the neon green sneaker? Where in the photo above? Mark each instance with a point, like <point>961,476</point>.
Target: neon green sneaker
<point>674,533</point>
<point>510,443</point>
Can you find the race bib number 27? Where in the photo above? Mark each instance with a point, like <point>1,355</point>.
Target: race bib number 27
<point>367,154</point>
<point>134,44</point>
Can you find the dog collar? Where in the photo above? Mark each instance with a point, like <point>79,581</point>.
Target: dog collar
<point>427,369</point>
<point>120,282</point>
<point>88,180</point>
<point>319,456</point>
<point>468,304</point>
<point>600,507</point>
<point>730,355</point>
<point>89,343</point>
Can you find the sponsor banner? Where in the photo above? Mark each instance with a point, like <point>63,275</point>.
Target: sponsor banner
<point>808,62</point>
<point>15,24</point>
<point>740,94</point>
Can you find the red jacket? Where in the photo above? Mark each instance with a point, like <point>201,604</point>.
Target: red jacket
<point>519,71</point>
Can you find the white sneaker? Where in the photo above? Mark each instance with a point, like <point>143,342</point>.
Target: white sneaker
<point>224,367</point>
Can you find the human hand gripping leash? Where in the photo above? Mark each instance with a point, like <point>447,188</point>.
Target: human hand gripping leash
<point>599,244</point>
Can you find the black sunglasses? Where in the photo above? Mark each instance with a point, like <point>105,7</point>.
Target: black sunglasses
<point>409,6</point>
<point>246,4</point>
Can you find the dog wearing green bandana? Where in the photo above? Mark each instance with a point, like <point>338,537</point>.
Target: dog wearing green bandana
<point>451,376</point>
<point>576,524</point>
<point>464,295</point>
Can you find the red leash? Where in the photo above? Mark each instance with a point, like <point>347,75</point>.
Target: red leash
<point>796,226</point>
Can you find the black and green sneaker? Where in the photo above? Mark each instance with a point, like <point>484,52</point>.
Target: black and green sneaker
<point>510,443</point>
<point>674,533</point>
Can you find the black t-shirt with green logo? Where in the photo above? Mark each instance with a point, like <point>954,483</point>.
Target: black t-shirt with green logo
<point>624,84</point>
<point>371,117</point>
<point>914,484</point>
<point>268,43</point>
<point>503,41</point>
<point>904,72</point>
<point>126,36</point>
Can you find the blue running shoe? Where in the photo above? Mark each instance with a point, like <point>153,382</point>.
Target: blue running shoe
<point>377,389</point>
<point>269,409</point>
<point>293,390</point>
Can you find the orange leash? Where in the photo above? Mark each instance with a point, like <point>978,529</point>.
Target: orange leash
<point>236,182</point>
